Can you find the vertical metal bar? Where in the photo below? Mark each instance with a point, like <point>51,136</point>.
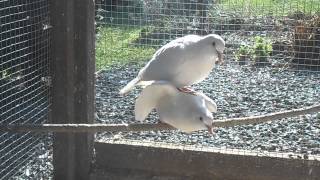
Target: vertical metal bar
<point>73,85</point>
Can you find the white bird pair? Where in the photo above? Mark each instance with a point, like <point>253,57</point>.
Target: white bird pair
<point>175,66</point>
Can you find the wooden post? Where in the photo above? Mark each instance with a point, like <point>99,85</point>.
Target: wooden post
<point>73,85</point>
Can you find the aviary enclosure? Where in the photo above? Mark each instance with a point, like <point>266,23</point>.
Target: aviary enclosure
<point>65,61</point>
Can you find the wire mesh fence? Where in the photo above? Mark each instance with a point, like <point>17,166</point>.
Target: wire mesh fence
<point>257,32</point>
<point>24,85</point>
<point>272,64</point>
<point>270,46</point>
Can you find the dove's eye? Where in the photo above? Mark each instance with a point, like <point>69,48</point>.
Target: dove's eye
<point>201,118</point>
<point>214,43</point>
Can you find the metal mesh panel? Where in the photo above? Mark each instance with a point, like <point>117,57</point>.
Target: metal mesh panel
<point>24,81</point>
<point>272,64</point>
<point>279,33</point>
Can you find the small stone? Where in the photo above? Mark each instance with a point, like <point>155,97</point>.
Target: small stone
<point>274,130</point>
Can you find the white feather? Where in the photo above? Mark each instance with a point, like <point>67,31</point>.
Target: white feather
<point>178,109</point>
<point>182,62</point>
<point>149,98</point>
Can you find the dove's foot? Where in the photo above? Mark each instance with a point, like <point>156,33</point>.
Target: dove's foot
<point>188,90</point>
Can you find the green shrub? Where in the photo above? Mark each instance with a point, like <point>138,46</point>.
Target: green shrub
<point>261,50</point>
<point>258,53</point>
<point>244,54</point>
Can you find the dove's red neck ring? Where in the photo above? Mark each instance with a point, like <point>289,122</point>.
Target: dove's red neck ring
<point>187,90</point>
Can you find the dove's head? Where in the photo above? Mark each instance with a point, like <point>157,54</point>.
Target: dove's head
<point>206,119</point>
<point>202,115</point>
<point>217,43</point>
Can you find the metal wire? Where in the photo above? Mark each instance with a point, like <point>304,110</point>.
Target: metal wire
<point>24,71</point>
<point>282,35</point>
<point>289,31</point>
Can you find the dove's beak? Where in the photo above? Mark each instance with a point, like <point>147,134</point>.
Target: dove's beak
<point>220,58</point>
<point>210,129</point>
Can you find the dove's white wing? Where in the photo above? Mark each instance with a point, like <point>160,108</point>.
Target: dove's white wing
<point>210,104</point>
<point>149,97</point>
<point>168,61</point>
<point>164,64</point>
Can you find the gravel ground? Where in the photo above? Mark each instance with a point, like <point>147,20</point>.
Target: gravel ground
<point>238,92</point>
<point>40,167</point>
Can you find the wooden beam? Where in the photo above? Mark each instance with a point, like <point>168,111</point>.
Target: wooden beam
<point>160,160</point>
<point>73,85</point>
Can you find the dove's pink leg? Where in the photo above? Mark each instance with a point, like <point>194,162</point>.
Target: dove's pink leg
<point>187,89</point>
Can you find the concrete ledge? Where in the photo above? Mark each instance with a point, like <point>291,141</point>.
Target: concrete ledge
<point>156,160</point>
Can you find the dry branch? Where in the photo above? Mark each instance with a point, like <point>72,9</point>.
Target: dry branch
<point>76,128</point>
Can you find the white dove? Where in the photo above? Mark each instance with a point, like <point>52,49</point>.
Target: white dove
<point>185,111</point>
<point>183,61</point>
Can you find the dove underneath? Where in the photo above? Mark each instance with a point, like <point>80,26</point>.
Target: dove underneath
<point>184,111</point>
<point>182,62</point>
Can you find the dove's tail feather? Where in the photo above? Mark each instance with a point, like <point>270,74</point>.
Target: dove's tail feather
<point>129,86</point>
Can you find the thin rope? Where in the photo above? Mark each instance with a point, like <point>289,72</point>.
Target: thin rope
<point>78,128</point>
